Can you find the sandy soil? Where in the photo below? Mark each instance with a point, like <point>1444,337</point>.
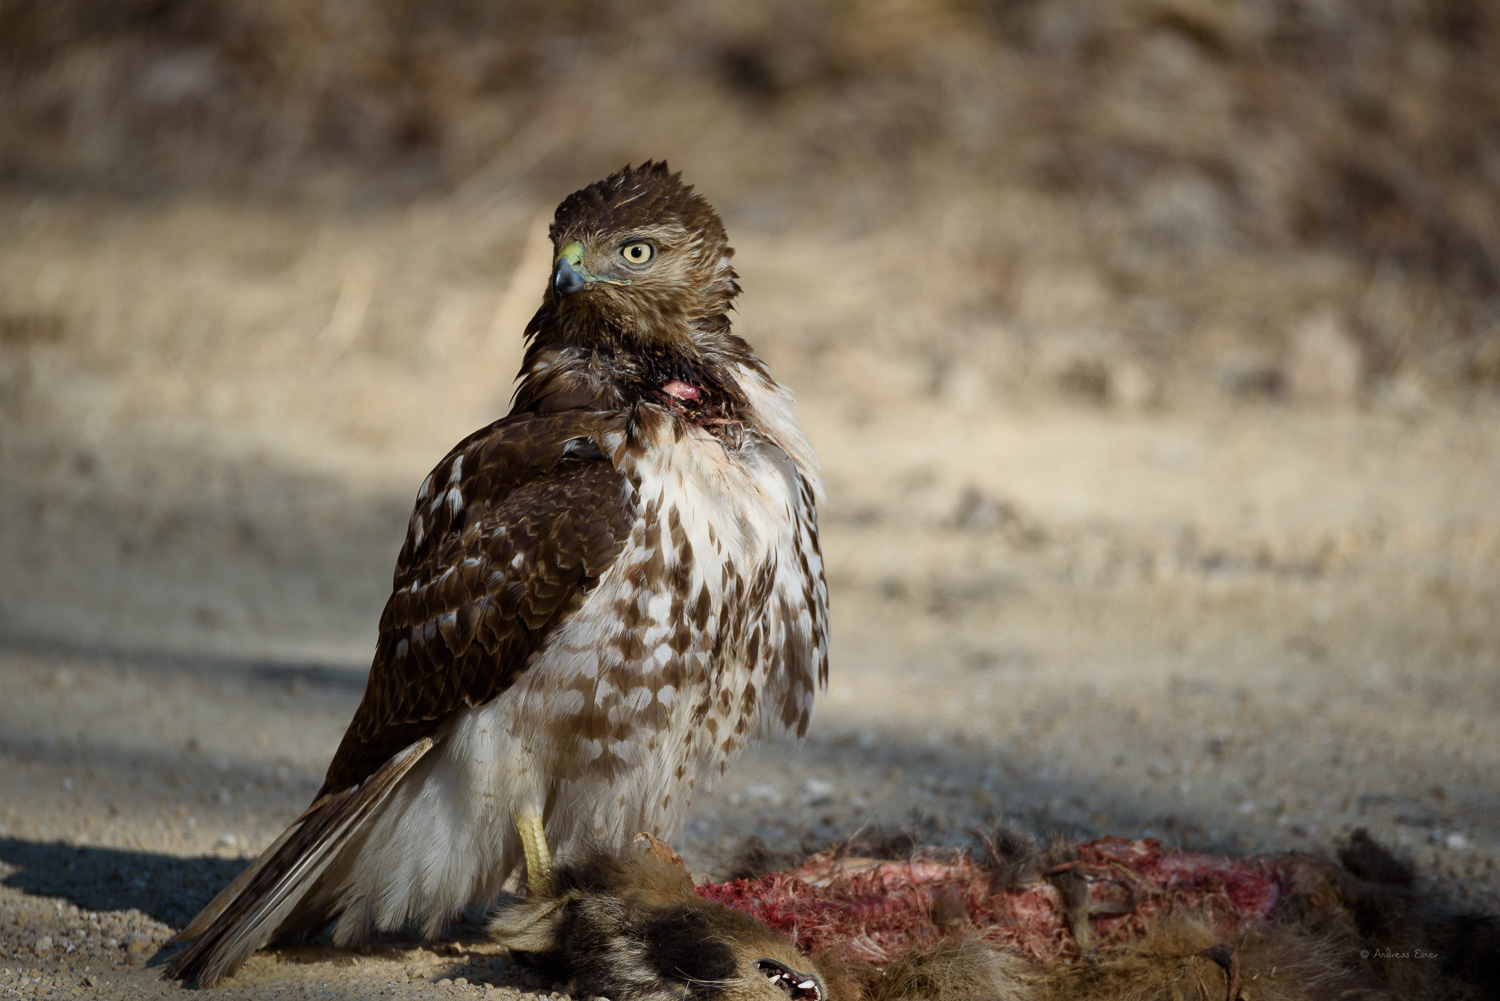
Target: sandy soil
<point>1242,626</point>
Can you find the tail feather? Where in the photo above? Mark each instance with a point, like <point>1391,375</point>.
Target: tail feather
<point>248,912</point>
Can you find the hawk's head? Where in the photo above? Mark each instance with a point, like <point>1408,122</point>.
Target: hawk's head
<point>640,261</point>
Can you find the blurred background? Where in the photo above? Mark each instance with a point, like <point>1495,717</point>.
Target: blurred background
<point>1152,349</point>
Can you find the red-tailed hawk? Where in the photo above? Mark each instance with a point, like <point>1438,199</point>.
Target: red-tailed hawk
<point>600,598</point>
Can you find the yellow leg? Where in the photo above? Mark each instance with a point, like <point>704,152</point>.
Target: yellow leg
<point>534,843</point>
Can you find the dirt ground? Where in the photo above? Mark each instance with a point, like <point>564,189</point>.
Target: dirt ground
<point>1233,622</point>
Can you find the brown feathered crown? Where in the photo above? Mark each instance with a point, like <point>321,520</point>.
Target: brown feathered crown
<point>640,292</point>
<point>638,198</point>
<point>641,262</point>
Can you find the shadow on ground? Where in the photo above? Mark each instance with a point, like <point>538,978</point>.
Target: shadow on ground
<point>165,887</point>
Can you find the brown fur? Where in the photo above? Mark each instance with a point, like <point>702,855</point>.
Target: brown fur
<point>956,969</point>
<point>754,858</point>
<point>630,927</point>
<point>1326,944</point>
<point>1180,960</point>
<point>1015,860</point>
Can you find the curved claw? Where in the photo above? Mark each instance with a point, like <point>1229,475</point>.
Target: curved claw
<point>534,844</point>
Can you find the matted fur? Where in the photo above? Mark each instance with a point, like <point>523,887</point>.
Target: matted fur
<point>1311,941</point>
<point>630,927</point>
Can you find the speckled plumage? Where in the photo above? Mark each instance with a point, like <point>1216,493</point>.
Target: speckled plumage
<point>600,598</point>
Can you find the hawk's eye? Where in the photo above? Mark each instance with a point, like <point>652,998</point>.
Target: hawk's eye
<point>637,252</point>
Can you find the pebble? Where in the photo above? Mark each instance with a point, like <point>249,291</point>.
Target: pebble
<point>43,945</point>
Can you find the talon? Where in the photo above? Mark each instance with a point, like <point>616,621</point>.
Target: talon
<point>534,844</point>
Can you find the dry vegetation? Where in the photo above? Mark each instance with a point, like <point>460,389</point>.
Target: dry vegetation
<point>1151,347</point>
<point>1203,184</point>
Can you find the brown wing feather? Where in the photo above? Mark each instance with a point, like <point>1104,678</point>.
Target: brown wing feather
<point>510,531</point>
<point>248,911</point>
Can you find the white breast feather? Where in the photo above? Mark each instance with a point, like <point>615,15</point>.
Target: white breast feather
<point>448,834</point>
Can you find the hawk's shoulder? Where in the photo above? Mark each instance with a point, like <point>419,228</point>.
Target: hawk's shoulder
<point>509,532</point>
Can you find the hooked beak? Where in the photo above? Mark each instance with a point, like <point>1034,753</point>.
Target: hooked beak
<point>569,275</point>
